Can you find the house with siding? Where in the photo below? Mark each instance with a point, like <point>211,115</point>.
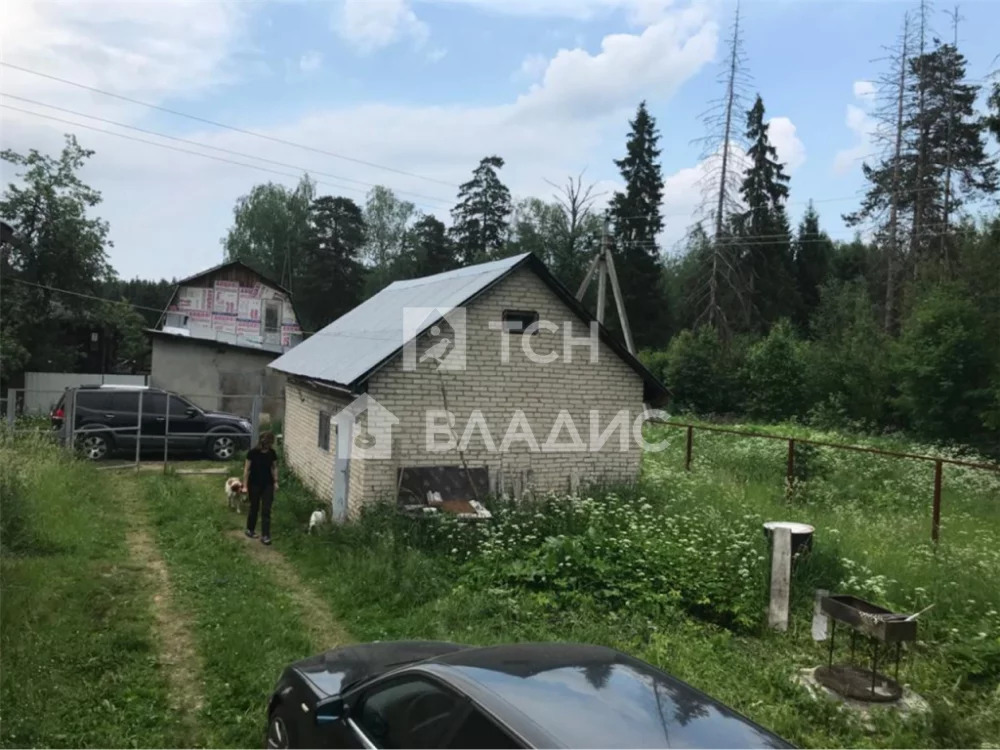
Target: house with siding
<point>221,329</point>
<point>533,360</point>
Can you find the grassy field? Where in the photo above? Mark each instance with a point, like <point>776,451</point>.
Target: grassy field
<point>673,570</point>
<point>79,665</point>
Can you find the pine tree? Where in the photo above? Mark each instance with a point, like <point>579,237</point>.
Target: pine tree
<point>333,278</point>
<point>765,260</point>
<point>432,248</point>
<point>955,166</point>
<point>636,218</point>
<point>481,215</point>
<point>813,256</point>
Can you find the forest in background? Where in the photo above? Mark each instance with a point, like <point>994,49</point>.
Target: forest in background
<point>896,329</point>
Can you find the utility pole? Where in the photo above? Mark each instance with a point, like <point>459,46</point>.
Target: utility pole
<point>603,265</point>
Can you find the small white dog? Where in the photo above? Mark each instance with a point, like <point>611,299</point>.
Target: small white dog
<point>317,519</point>
<point>234,493</point>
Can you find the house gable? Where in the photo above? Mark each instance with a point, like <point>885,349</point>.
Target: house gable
<point>235,305</point>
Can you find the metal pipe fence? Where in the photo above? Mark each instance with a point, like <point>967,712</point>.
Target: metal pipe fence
<point>151,430</point>
<point>938,461</point>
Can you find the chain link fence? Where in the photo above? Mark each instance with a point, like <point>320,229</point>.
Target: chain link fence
<point>141,427</point>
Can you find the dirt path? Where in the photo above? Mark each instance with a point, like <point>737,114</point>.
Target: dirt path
<point>324,631</point>
<point>174,640</point>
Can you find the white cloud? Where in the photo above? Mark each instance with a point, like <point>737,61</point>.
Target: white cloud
<point>310,61</point>
<point>790,149</point>
<point>864,127</point>
<point>864,89</point>
<point>155,49</point>
<point>639,12</point>
<point>533,66</point>
<point>658,59</point>
<point>555,128</point>
<point>370,25</point>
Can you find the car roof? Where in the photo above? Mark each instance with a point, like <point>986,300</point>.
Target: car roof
<point>115,387</point>
<point>584,696</point>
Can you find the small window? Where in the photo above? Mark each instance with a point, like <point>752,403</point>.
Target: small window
<point>95,400</point>
<point>154,402</point>
<point>126,401</point>
<point>479,733</point>
<point>323,436</point>
<point>271,322</point>
<point>411,713</point>
<point>518,321</point>
<point>178,406</point>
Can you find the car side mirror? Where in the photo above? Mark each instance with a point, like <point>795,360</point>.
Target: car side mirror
<point>330,710</point>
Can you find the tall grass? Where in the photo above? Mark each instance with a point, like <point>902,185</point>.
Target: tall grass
<point>674,570</point>
<point>79,664</point>
<point>245,625</point>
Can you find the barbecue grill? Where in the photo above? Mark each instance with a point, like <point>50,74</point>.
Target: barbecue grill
<point>882,631</point>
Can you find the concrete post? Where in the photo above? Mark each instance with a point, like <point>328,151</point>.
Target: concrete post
<point>781,573</point>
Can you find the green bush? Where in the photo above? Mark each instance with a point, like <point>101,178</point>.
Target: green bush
<point>700,372</point>
<point>848,363</point>
<point>774,375</point>
<point>944,367</point>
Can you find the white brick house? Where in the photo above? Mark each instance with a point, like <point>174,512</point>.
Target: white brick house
<point>559,386</point>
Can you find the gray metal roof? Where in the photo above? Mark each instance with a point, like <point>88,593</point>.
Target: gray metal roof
<point>358,341</point>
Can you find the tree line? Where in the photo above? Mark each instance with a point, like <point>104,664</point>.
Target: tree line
<point>896,328</point>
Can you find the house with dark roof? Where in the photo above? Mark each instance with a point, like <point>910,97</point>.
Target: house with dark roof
<point>438,390</point>
<point>217,335</point>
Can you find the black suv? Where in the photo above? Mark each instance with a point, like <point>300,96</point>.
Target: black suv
<point>107,420</point>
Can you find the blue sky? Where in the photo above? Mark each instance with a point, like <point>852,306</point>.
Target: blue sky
<point>430,86</point>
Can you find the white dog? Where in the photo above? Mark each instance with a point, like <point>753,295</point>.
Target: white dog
<point>234,493</point>
<point>317,519</point>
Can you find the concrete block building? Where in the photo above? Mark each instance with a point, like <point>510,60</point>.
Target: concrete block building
<point>493,370</point>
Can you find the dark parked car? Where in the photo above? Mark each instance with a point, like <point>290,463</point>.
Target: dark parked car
<point>421,694</point>
<point>107,420</point>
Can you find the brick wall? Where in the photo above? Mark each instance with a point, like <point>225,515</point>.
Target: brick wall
<point>313,465</point>
<point>497,389</point>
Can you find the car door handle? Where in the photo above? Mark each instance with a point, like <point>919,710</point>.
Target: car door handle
<point>109,416</point>
<point>161,419</point>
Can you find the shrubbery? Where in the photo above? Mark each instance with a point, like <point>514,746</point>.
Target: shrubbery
<point>940,378</point>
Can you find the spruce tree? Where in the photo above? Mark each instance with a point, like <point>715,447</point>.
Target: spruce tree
<point>993,119</point>
<point>636,220</point>
<point>333,277</point>
<point>481,215</point>
<point>813,255</point>
<point>765,260</point>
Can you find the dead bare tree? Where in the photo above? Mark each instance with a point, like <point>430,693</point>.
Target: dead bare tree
<point>886,203</point>
<point>949,143</point>
<point>898,83</point>
<point>723,155</point>
<point>576,201</point>
<point>921,131</point>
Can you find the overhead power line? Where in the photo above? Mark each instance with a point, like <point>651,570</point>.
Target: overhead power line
<point>444,203</point>
<point>234,128</point>
<point>188,151</point>
<point>135,306</point>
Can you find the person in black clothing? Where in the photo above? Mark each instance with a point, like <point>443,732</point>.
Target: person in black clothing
<point>260,479</point>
